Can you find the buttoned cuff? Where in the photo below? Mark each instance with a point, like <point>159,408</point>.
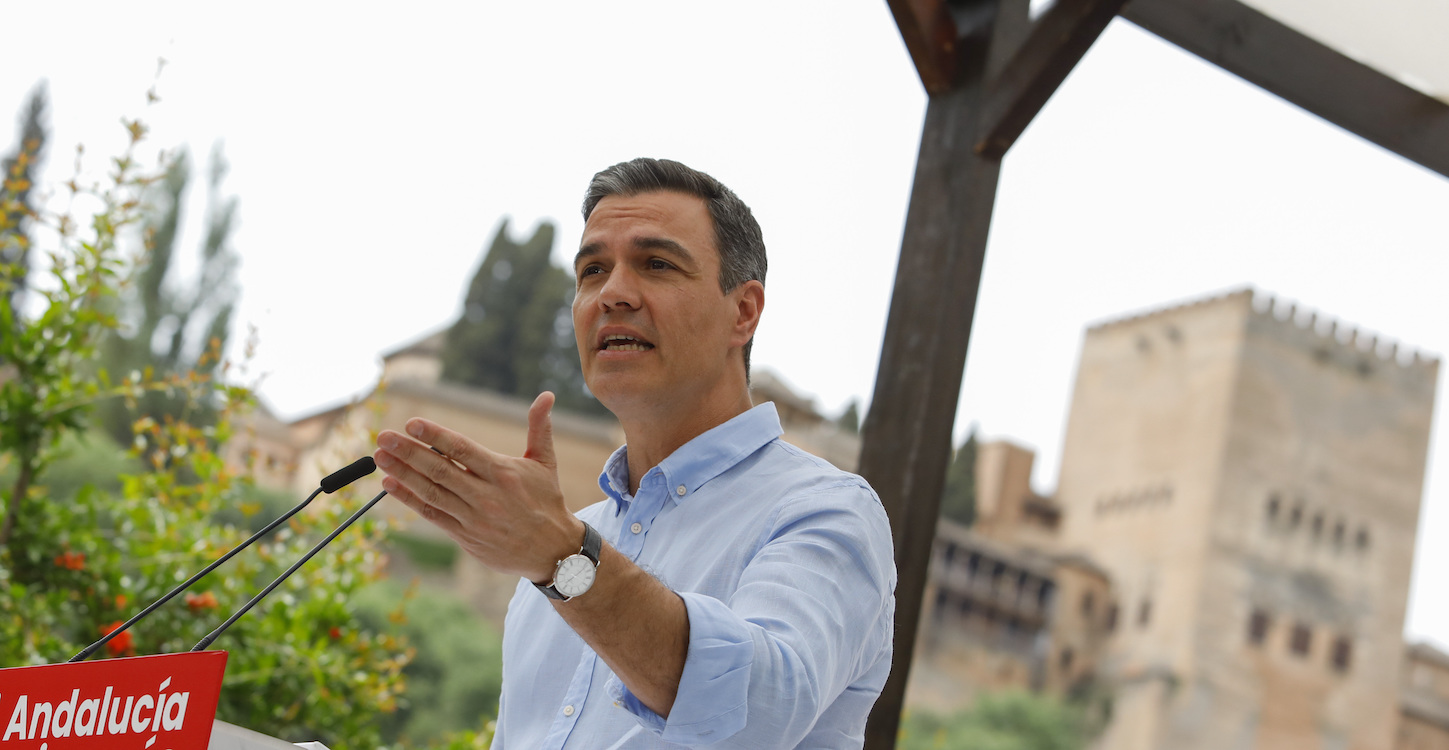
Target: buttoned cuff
<point>712,702</point>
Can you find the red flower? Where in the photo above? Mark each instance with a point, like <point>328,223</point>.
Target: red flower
<point>334,632</point>
<point>121,644</point>
<point>120,601</point>
<point>197,603</point>
<point>71,560</point>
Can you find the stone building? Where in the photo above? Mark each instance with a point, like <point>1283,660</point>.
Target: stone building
<point>1242,479</point>
<point>1424,700</point>
<point>1001,616</point>
<point>1249,475</point>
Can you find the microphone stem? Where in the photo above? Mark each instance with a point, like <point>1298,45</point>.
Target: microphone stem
<point>204,642</point>
<point>91,649</point>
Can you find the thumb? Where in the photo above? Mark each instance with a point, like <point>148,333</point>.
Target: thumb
<point>540,430</point>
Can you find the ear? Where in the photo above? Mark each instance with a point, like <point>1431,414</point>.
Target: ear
<point>749,301</point>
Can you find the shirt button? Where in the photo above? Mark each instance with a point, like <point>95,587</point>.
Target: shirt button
<point>568,710</point>
<point>680,490</point>
<point>637,527</point>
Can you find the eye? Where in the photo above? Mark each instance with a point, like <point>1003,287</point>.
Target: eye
<point>590,270</point>
<point>659,264</point>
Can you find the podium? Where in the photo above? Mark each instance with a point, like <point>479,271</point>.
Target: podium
<point>226,736</point>
<point>165,702</point>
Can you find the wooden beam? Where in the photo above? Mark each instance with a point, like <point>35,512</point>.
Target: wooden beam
<point>930,35</point>
<point>1057,41</point>
<point>906,440</point>
<point>1305,72</point>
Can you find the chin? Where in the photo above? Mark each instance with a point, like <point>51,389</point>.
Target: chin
<point>621,399</point>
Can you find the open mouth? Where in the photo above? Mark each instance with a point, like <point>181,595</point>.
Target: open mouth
<point>618,342</point>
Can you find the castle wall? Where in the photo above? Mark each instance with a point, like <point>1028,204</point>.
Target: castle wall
<point>996,616</point>
<point>1250,478</point>
<point>1312,539</point>
<point>1006,507</point>
<point>1424,700</point>
<point>1140,473</point>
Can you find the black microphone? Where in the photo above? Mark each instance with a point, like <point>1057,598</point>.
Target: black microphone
<point>329,484</point>
<point>347,475</point>
<point>204,642</point>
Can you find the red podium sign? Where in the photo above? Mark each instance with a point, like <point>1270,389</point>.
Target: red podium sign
<point>143,703</point>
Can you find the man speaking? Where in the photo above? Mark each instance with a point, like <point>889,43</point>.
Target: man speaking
<point>730,590</point>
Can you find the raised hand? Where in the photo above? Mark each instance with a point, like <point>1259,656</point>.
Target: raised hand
<point>506,511</point>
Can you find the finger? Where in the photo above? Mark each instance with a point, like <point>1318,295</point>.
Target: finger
<point>425,475</point>
<point>428,512</point>
<point>424,459</point>
<point>455,463</point>
<point>454,445</point>
<point>540,430</point>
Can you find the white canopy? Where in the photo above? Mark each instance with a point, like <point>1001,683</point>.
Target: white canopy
<point>1407,40</point>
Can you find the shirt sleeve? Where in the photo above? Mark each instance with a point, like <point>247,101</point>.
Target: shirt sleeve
<point>813,611</point>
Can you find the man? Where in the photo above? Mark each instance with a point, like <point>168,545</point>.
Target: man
<point>730,590</point>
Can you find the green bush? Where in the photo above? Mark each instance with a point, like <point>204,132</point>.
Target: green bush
<point>1011,720</point>
<point>426,552</point>
<point>456,671</point>
<point>89,459</point>
<point>83,548</point>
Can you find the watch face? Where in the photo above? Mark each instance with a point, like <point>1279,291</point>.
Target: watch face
<point>574,576</point>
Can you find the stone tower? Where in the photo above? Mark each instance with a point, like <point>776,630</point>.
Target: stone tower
<point>1249,475</point>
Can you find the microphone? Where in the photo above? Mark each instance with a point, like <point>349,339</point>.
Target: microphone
<point>329,484</point>
<point>204,642</point>
<point>346,475</point>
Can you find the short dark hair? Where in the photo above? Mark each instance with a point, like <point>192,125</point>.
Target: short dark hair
<point>736,233</point>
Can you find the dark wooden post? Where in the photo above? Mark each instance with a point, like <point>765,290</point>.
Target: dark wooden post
<point>906,441</point>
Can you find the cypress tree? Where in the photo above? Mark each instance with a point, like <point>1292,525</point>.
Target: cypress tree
<point>170,324</point>
<point>19,170</point>
<point>516,332</point>
<point>958,497</point>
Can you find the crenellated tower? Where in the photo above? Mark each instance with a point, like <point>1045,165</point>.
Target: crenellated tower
<point>1249,473</point>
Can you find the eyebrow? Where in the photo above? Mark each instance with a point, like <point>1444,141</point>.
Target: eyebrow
<point>642,243</point>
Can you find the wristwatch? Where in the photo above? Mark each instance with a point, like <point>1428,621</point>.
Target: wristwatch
<point>575,573</point>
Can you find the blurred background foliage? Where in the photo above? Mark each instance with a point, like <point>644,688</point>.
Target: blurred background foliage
<point>456,673</point>
<point>1012,720</point>
<point>96,335</point>
<point>516,334</point>
<point>958,496</point>
<point>166,320</point>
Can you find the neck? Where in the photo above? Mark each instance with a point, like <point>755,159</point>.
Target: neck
<point>654,435</point>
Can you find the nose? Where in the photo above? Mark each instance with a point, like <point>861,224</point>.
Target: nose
<point>620,290</point>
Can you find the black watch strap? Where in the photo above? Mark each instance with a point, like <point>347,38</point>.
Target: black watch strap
<point>593,543</point>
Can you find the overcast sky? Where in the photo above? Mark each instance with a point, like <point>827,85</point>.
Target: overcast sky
<point>375,150</point>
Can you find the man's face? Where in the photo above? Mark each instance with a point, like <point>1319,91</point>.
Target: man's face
<point>653,327</point>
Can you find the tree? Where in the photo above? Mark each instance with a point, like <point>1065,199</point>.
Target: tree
<point>849,420</point>
<point>1011,720</point>
<point>456,672</point>
<point>958,497</point>
<point>169,324</point>
<point>516,332</point>
<point>19,170</point>
<point>75,563</point>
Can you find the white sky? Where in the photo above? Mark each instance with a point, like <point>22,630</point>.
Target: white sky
<point>375,150</point>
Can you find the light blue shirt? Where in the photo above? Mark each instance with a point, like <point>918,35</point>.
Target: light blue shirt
<point>786,569</point>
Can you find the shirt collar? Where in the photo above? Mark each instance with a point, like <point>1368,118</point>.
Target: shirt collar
<point>708,455</point>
